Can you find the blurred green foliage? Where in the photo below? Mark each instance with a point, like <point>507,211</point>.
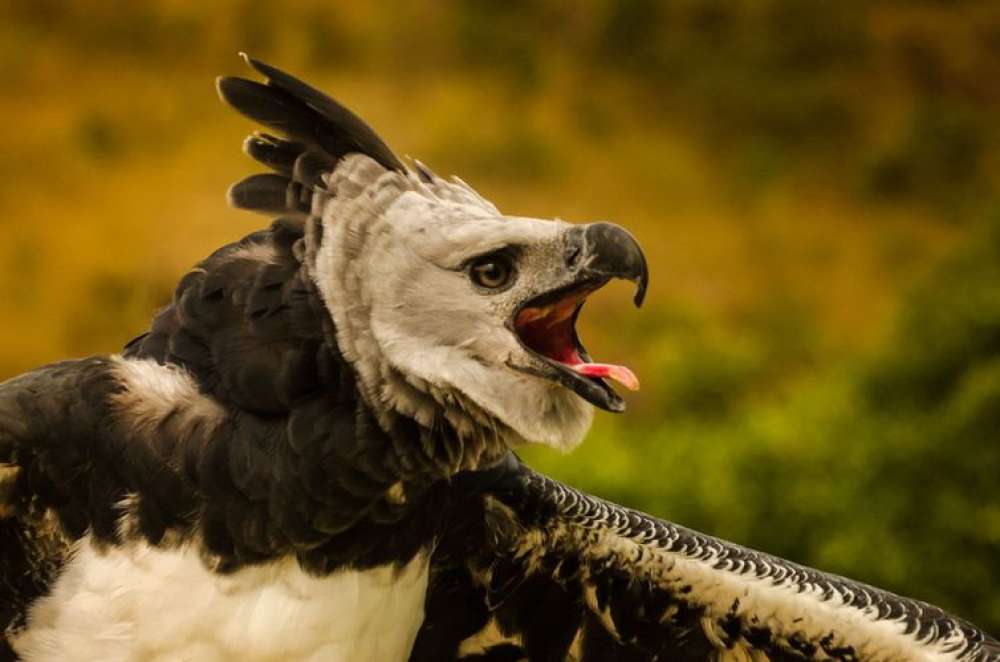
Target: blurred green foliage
<point>816,184</point>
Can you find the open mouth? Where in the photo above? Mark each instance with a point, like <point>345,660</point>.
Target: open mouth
<point>546,326</point>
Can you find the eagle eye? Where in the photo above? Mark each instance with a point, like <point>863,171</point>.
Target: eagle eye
<point>492,272</point>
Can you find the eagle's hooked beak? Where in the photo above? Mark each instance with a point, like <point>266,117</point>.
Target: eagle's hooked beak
<point>546,325</point>
<point>609,251</point>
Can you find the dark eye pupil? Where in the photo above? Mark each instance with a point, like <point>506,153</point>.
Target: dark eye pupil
<point>491,273</point>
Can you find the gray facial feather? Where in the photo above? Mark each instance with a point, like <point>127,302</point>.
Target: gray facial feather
<point>423,339</point>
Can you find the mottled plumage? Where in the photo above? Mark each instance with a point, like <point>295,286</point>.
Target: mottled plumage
<point>308,454</point>
<point>563,575</point>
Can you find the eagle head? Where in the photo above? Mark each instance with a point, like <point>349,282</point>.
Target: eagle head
<point>448,310</point>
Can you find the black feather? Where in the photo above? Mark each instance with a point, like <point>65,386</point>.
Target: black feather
<point>273,152</point>
<point>310,167</point>
<point>337,134</point>
<point>338,120</point>
<point>268,193</point>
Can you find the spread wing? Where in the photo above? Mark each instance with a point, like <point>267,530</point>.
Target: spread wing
<point>533,569</point>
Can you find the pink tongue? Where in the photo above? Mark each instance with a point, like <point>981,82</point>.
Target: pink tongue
<point>619,373</point>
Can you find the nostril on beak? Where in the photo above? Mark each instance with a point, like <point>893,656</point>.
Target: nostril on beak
<point>572,254</point>
<point>574,246</point>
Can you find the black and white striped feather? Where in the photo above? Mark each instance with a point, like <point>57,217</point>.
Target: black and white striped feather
<point>558,574</point>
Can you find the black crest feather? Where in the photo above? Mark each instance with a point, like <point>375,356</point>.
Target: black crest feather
<point>273,152</point>
<point>304,114</point>
<point>270,193</point>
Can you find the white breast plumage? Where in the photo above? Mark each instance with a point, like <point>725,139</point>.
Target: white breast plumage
<point>141,603</point>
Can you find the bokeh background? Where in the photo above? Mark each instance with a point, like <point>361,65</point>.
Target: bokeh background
<point>816,184</point>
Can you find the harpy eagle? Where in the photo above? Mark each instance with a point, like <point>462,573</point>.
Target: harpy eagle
<point>308,455</point>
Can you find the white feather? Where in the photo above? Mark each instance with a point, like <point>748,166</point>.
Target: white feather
<point>140,603</point>
<point>152,392</point>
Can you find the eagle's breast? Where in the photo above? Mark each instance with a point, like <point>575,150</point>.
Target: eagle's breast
<point>143,603</point>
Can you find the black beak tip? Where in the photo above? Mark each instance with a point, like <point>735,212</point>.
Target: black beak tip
<point>609,401</point>
<point>641,284</point>
<point>612,252</point>
<point>642,280</point>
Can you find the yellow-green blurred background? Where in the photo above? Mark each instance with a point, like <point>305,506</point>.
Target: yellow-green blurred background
<point>815,182</point>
